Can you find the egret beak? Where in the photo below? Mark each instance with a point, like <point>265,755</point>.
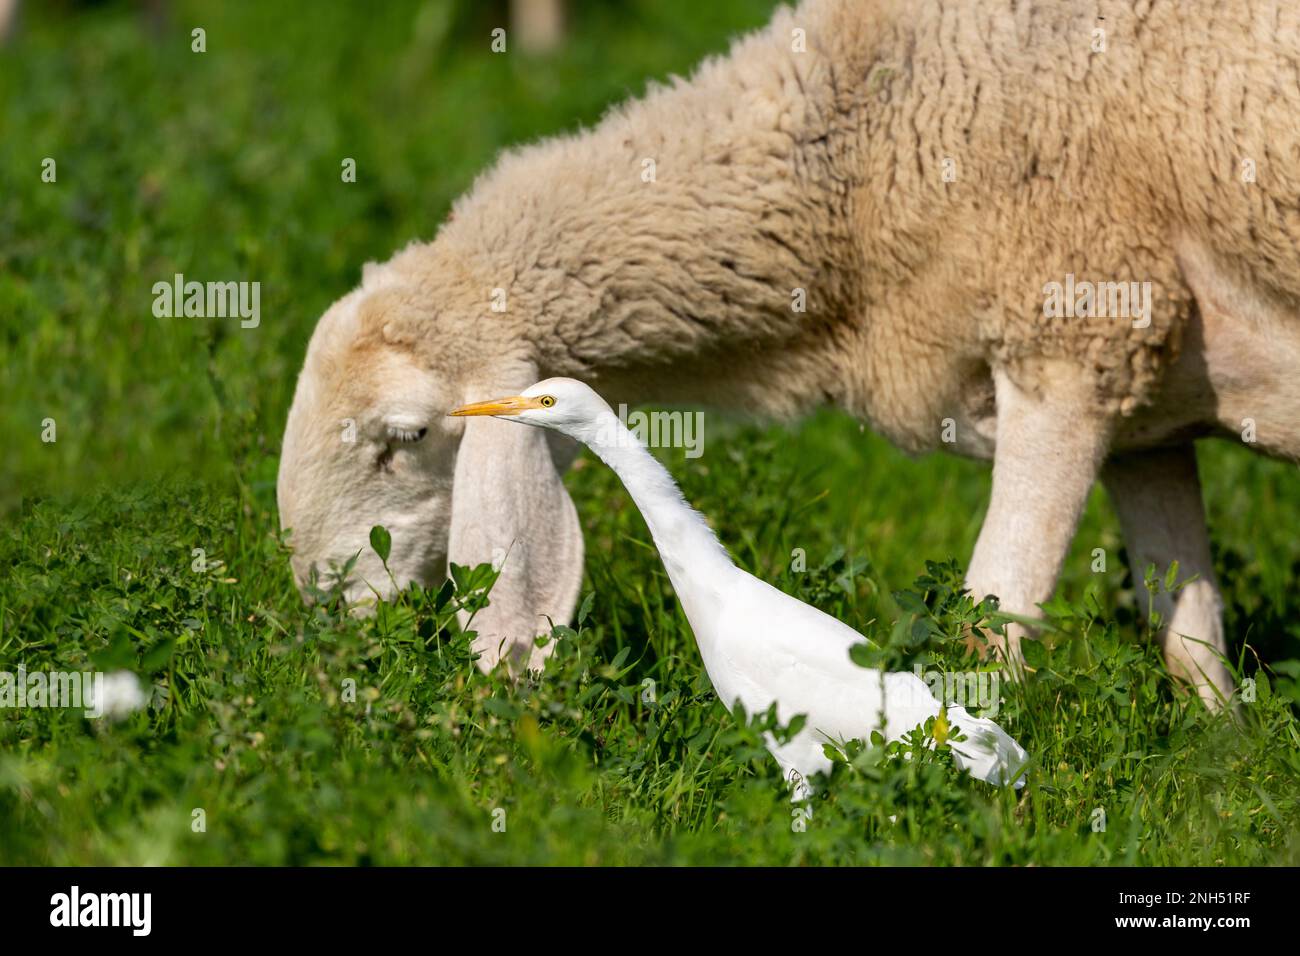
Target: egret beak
<point>498,406</point>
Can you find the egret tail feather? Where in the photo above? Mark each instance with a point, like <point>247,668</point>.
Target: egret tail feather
<point>988,752</point>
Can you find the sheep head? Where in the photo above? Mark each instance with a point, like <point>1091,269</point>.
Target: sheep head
<point>368,442</point>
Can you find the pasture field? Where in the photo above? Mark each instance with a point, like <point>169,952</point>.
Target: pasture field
<point>226,164</point>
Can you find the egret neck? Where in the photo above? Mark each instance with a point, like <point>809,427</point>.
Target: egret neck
<point>697,564</point>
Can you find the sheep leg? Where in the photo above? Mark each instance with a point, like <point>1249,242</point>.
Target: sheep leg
<point>1049,450</point>
<point>1157,495</point>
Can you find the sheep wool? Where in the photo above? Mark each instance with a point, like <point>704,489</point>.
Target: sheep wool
<point>869,203</point>
<point>1064,231</point>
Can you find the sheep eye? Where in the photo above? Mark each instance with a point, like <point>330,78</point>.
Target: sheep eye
<point>406,434</point>
<point>546,401</point>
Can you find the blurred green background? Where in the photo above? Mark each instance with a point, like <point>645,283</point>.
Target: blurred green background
<point>225,165</point>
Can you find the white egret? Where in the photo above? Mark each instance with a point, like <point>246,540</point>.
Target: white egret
<point>760,646</point>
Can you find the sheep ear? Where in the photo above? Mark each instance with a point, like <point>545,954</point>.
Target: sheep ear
<point>510,508</point>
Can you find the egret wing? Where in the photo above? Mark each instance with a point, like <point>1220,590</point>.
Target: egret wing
<point>779,649</point>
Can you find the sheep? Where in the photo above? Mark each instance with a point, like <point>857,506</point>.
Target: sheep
<point>876,205</point>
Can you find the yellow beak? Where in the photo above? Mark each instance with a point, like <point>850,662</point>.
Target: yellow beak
<point>498,406</point>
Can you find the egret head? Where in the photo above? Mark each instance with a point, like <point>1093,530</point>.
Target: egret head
<point>560,404</point>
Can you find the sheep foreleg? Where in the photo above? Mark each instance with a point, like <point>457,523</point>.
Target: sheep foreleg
<point>1157,495</point>
<point>1049,450</point>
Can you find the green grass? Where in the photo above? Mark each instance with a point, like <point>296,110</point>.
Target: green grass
<point>226,165</point>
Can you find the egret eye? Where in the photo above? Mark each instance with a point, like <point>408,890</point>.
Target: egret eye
<point>546,401</point>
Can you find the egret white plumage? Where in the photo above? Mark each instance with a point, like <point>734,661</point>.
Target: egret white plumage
<point>760,645</point>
